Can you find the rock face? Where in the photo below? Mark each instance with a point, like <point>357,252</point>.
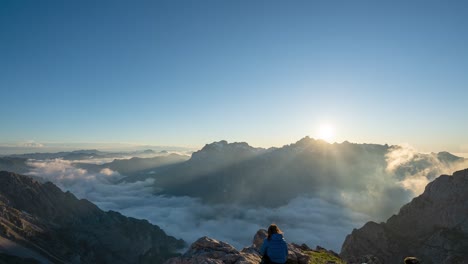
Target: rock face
<point>432,227</point>
<point>41,220</point>
<point>210,251</point>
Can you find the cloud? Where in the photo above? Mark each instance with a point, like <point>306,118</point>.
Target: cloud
<point>415,170</point>
<point>30,144</point>
<point>304,220</point>
<point>324,219</point>
<point>399,156</point>
<point>65,175</point>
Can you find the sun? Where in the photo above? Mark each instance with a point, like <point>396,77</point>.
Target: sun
<point>326,132</point>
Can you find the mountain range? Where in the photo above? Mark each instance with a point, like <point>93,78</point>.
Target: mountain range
<point>237,173</point>
<point>39,223</point>
<point>82,154</point>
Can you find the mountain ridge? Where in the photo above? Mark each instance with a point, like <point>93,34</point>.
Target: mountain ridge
<point>305,167</point>
<point>61,228</point>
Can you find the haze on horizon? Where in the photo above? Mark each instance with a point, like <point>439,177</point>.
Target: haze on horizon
<point>168,73</point>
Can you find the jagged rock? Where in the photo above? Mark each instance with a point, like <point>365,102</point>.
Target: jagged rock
<point>432,227</point>
<point>207,250</point>
<point>296,255</point>
<point>258,238</point>
<point>62,229</point>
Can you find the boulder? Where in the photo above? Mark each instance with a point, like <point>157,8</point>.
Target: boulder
<point>208,250</point>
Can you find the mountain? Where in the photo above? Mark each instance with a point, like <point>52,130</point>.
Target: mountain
<point>40,221</point>
<point>432,227</point>
<point>14,164</point>
<point>224,172</point>
<point>236,172</point>
<point>67,155</point>
<point>211,158</point>
<point>83,154</point>
<point>136,168</point>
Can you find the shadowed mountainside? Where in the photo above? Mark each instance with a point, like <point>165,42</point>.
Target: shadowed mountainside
<point>41,220</point>
<point>136,168</point>
<point>298,168</point>
<point>17,165</point>
<point>238,173</point>
<point>433,227</point>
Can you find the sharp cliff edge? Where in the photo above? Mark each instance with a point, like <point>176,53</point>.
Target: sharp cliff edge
<point>432,227</point>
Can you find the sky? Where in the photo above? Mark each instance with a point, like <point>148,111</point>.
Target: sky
<point>186,73</point>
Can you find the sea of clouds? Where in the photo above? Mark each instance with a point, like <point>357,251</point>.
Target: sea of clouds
<point>312,220</point>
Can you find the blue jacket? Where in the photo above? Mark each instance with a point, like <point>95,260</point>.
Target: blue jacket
<point>275,248</point>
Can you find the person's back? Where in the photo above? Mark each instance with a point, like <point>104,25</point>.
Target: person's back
<point>274,246</point>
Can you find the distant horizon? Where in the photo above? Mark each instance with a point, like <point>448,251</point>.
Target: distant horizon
<point>14,148</point>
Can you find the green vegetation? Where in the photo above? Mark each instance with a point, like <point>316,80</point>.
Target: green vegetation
<point>323,257</point>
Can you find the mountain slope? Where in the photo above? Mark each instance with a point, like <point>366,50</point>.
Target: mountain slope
<point>300,168</point>
<point>240,174</point>
<point>432,227</point>
<point>62,229</point>
<point>18,165</point>
<point>136,166</point>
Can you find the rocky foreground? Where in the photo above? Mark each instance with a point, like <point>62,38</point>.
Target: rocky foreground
<point>210,251</point>
<point>433,227</point>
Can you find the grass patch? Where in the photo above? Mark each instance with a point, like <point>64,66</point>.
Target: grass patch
<point>323,257</point>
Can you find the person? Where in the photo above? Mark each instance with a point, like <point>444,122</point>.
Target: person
<point>274,248</point>
<point>412,260</point>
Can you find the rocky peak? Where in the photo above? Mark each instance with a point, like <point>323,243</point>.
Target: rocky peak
<point>222,152</point>
<point>208,250</point>
<point>223,145</point>
<point>448,157</point>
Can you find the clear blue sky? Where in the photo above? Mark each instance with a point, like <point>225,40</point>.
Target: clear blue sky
<point>266,72</point>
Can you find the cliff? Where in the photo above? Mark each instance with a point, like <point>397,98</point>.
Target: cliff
<point>432,227</point>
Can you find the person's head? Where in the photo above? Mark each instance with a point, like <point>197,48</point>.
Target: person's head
<point>273,229</point>
<point>412,260</point>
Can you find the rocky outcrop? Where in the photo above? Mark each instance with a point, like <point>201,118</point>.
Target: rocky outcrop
<point>207,250</point>
<point>432,227</point>
<point>210,251</point>
<point>62,229</point>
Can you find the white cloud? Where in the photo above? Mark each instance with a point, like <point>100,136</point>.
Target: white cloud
<point>30,144</point>
<point>304,220</point>
<point>418,169</point>
<point>321,221</point>
<point>399,156</point>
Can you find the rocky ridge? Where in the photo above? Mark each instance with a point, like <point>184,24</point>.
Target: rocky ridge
<point>432,227</point>
<point>51,226</point>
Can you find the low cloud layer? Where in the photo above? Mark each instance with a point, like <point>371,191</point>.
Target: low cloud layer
<point>304,220</point>
<point>321,221</point>
<point>415,170</point>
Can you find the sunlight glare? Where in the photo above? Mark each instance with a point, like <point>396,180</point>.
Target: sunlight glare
<point>326,132</point>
